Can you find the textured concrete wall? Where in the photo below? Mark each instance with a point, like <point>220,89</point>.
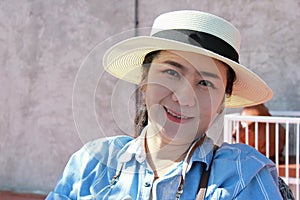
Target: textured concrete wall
<point>44,44</point>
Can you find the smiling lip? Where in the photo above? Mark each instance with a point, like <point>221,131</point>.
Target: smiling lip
<point>176,117</point>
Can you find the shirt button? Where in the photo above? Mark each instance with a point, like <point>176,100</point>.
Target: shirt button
<point>147,184</point>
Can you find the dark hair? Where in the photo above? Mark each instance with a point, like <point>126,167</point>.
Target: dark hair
<point>141,118</point>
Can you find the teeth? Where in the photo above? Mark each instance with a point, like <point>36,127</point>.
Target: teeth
<point>174,115</point>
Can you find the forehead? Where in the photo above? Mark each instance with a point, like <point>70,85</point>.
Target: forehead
<point>193,61</point>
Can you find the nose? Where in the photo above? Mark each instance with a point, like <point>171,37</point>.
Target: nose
<point>184,95</point>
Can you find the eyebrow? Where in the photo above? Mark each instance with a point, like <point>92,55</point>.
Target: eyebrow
<point>182,67</point>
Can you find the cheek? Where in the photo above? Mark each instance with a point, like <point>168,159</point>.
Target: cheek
<point>155,93</point>
<point>154,96</point>
<point>208,104</point>
<point>205,102</point>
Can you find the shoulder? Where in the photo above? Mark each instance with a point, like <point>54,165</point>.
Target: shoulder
<point>106,146</point>
<point>99,151</point>
<point>89,163</point>
<point>243,157</point>
<point>107,143</point>
<point>243,162</point>
<point>239,169</point>
<point>241,152</point>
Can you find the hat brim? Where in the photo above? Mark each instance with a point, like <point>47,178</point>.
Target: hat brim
<point>124,61</point>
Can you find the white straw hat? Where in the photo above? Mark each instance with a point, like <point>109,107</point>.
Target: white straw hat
<point>191,31</point>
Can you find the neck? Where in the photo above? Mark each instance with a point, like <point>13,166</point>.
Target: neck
<point>163,155</point>
<point>163,150</point>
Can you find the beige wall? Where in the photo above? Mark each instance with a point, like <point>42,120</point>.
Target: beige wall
<point>44,45</point>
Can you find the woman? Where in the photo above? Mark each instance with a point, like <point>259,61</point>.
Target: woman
<point>188,72</point>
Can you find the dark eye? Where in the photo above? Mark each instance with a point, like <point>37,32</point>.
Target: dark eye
<point>207,83</point>
<point>172,72</point>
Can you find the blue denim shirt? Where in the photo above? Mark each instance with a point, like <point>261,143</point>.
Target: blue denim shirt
<point>238,172</point>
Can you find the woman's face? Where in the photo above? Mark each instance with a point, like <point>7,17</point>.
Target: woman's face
<point>184,92</point>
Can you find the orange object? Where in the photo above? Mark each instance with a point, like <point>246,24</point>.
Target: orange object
<point>260,110</point>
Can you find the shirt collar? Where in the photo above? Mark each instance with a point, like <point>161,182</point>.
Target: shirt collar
<point>203,153</point>
<point>136,148</point>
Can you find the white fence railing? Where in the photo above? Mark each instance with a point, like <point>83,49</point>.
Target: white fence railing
<point>268,134</point>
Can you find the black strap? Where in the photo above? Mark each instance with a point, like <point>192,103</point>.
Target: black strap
<point>285,191</point>
<point>205,177</point>
<point>201,39</point>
